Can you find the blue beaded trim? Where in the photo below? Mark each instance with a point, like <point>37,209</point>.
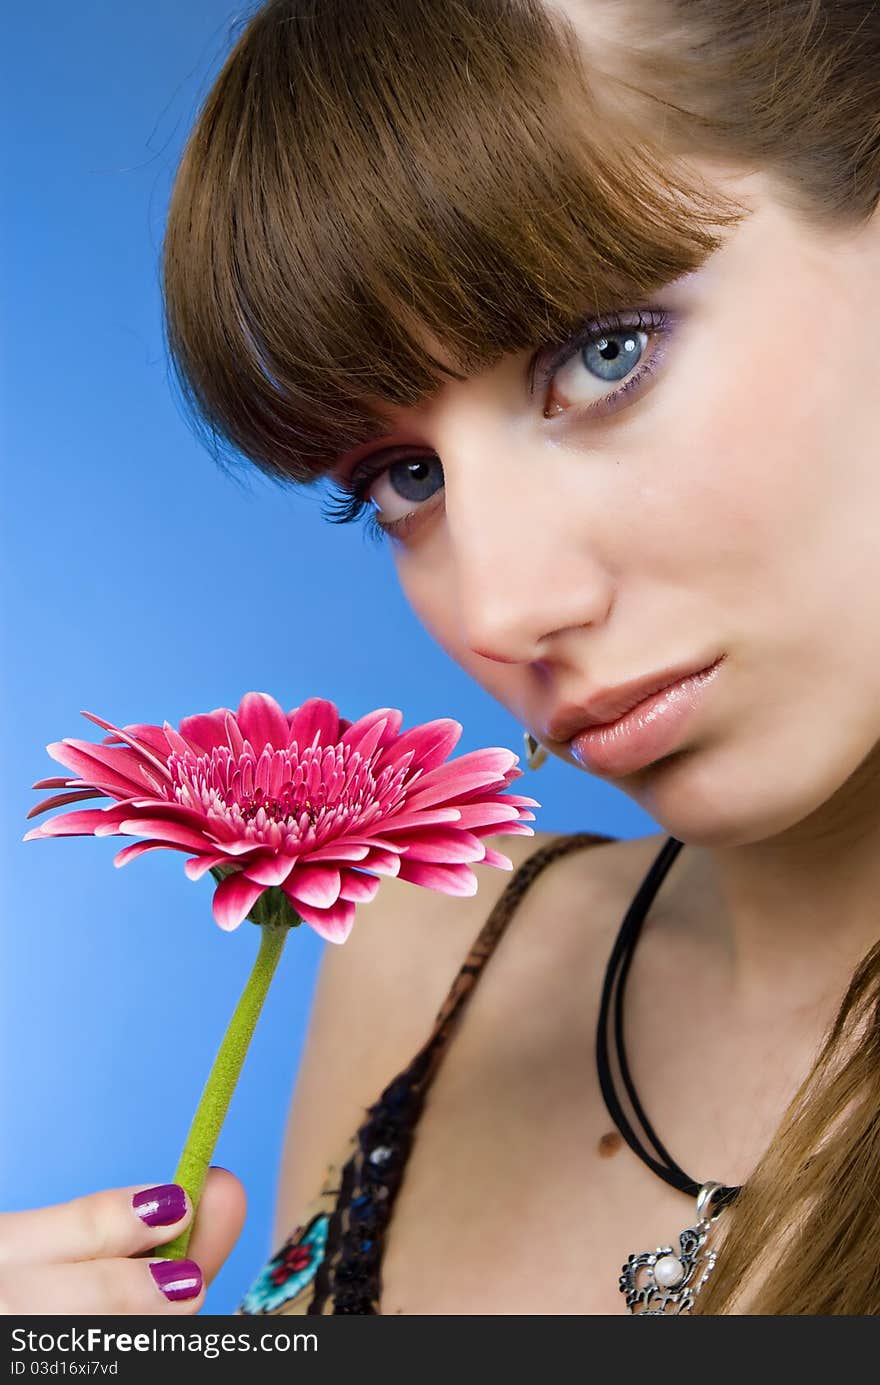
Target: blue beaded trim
<point>290,1270</point>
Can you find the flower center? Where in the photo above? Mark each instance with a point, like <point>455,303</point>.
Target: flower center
<point>287,797</point>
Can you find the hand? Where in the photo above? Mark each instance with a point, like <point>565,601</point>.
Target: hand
<point>92,1255</point>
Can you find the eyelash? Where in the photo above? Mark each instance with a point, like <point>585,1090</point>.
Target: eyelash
<point>349,503</point>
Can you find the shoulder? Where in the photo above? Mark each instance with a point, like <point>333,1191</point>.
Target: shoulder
<point>411,940</point>
<point>378,994</point>
<point>393,973</point>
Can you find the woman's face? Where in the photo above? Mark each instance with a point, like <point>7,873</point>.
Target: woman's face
<point>725,504</point>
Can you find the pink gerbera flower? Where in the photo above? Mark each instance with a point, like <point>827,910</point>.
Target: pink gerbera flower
<point>303,802</point>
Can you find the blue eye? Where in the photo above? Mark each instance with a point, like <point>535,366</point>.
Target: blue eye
<point>609,349</point>
<point>415,478</point>
<point>611,357</point>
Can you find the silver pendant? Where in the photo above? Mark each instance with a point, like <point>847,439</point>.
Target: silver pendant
<point>665,1281</point>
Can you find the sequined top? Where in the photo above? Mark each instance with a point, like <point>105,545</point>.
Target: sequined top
<point>332,1261</point>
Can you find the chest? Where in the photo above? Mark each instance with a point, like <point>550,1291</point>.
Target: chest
<point>519,1196</point>
<point>501,1214</point>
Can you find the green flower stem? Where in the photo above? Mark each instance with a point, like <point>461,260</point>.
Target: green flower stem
<point>193,1165</point>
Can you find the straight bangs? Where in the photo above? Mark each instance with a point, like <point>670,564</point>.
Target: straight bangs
<point>373,181</point>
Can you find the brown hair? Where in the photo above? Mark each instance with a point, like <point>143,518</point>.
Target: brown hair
<point>362,169</point>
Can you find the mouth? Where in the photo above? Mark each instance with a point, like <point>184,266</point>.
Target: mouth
<point>610,704</point>
<point>651,730</point>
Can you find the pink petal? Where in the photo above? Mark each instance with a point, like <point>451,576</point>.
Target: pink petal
<point>446,847</point>
<point>466,776</point>
<point>495,858</point>
<point>61,798</point>
<point>374,729</point>
<point>485,814</point>
<point>236,848</point>
<point>404,820</point>
<point>176,742</point>
<point>381,862</point>
<point>197,866</point>
<point>262,722</point>
<point>206,729</point>
<point>358,887</point>
<point>334,925</point>
<point>152,736</point>
<point>118,773</point>
<point>233,900</point>
<point>518,800</point>
<point>270,870</point>
<point>160,829</point>
<point>365,742</point>
<point>456,880</point>
<point>450,790</point>
<point>315,885</point>
<point>432,742</point>
<point>179,813</point>
<point>233,736</point>
<point>279,773</point>
<point>378,841</point>
<point>513,825</point>
<point>497,757</point>
<point>336,851</point>
<point>129,853</point>
<point>143,751</point>
<point>80,824</point>
<point>55,783</point>
<point>493,762</point>
<point>515,829</point>
<point>316,716</point>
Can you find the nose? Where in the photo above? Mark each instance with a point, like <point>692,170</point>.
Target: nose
<point>525,568</point>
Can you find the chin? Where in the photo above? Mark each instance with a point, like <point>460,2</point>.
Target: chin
<point>694,798</point>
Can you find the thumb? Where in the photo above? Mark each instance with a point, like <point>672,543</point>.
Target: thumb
<point>218,1222</point>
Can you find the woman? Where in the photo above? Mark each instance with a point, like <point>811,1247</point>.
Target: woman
<point>571,301</point>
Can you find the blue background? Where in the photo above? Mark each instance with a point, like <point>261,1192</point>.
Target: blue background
<point>140,583</point>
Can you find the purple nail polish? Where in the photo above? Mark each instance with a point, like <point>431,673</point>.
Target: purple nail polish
<point>177,1278</point>
<point>160,1206</point>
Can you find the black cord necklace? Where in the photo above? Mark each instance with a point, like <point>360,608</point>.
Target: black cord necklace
<point>664,1281</point>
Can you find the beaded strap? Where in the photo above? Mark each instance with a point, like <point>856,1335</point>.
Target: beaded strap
<point>348,1278</point>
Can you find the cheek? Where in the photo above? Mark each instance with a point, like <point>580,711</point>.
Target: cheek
<point>427,585</point>
<point>764,487</point>
<point>770,513</point>
<point>425,580</point>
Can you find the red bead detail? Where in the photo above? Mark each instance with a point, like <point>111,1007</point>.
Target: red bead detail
<point>294,1259</point>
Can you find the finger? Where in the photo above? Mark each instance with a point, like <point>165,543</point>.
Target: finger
<point>95,1226</point>
<point>220,1217</point>
<point>98,1287</point>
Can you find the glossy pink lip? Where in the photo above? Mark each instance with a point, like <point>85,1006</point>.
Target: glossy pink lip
<point>647,731</point>
<point>611,703</point>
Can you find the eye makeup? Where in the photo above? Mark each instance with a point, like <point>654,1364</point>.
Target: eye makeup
<point>349,500</point>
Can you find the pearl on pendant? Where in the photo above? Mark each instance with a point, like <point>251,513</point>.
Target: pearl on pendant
<point>668,1271</point>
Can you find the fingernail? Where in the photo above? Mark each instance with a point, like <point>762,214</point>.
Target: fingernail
<point>177,1278</point>
<point>162,1205</point>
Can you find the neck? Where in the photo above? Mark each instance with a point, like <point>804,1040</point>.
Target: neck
<point>792,915</point>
